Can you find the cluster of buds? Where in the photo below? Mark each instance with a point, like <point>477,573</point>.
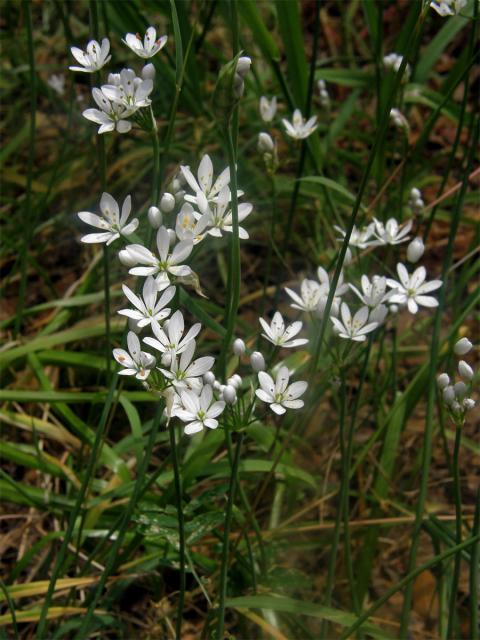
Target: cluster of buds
<point>415,201</point>
<point>456,396</point>
<point>324,95</point>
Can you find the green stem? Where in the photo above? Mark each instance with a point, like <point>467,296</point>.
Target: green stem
<point>458,529</point>
<point>156,165</point>
<point>474,573</point>
<point>226,535</point>
<point>181,529</point>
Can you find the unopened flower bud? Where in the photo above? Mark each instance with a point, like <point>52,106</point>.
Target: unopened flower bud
<point>443,380</point>
<point>237,381</point>
<point>415,193</point>
<point>148,72</point>
<point>393,308</point>
<point>243,66</point>
<point>239,347</point>
<point>176,185</point>
<point>172,236</point>
<point>167,203</point>
<point>209,377</point>
<point>462,347</point>
<point>460,389</point>
<point>468,404</point>
<point>348,257</point>
<point>179,196</point>
<point>265,143</point>
<point>415,250</point>
<point>150,361</point>
<point>257,361</point>
<point>217,386</point>
<point>465,370</point>
<point>166,359</point>
<point>456,407</point>
<point>155,217</point>
<point>449,395</point>
<point>229,394</point>
<point>126,258</point>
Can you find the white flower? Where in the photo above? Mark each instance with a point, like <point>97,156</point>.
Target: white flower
<point>462,347</point>
<point>205,189</point>
<point>113,224</point>
<point>220,217</point>
<point>265,143</point>
<point>392,232</point>
<point>411,290</point>
<point>150,46</point>
<point>57,82</point>
<point>169,338</point>
<point>239,347</point>
<point>167,264</point>
<point>394,61</point>
<point>354,328</point>
<point>128,90</point>
<point>323,93</point>
<point>277,334</point>
<point>268,108</point>
<point>148,309</point>
<point>136,362</point>
<point>278,394</point>
<point>111,115</point>
<point>448,7</point>
<point>443,380</point>
<point>310,294</point>
<point>298,128</point>
<point>373,293</point>
<point>185,373</point>
<point>94,58</point>
<point>415,250</point>
<point>324,278</point>
<point>189,227</point>
<point>359,237</point>
<point>199,411</point>
<point>399,120</point>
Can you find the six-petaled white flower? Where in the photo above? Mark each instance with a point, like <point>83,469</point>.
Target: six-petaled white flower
<point>374,292</point>
<point>136,362</point>
<point>277,334</point>
<point>94,58</point>
<point>446,8</point>
<point>150,45</point>
<point>298,128</point>
<point>169,340</point>
<point>113,224</point>
<point>111,115</point>
<point>268,108</point>
<point>148,310</point>
<point>128,90</point>
<point>310,294</point>
<point>392,232</point>
<point>185,373</point>
<point>359,238</point>
<point>220,217</point>
<point>198,410</point>
<point>190,227</point>
<point>411,290</point>
<point>279,394</point>
<point>354,328</point>
<point>205,189</point>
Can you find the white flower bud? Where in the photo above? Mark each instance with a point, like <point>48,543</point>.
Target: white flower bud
<point>126,258</point>
<point>148,72</point>
<point>150,361</point>
<point>133,325</point>
<point>209,377</point>
<point>449,395</point>
<point>415,250</point>
<point>243,66</point>
<point>239,347</point>
<point>460,389</point>
<point>176,185</point>
<point>237,381</point>
<point>393,308</point>
<point>443,380</point>
<point>265,143</point>
<point>465,370</point>
<point>257,361</point>
<point>179,196</point>
<point>166,359</point>
<point>155,217</point>
<point>167,203</point>
<point>229,394</point>
<point>348,257</point>
<point>468,404</point>
<point>217,386</point>
<point>415,193</point>
<point>462,347</point>
<point>172,236</point>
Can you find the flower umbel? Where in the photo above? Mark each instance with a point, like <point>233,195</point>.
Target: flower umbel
<point>198,410</point>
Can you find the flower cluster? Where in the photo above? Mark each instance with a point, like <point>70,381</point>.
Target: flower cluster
<point>456,396</point>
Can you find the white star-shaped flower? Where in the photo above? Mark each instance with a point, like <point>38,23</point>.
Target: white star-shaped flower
<point>279,395</point>
<point>183,372</point>
<point>446,8</point>
<point>391,232</point>
<point>298,128</point>
<point>198,410</point>
<point>169,339</point>
<point>94,58</point>
<point>128,90</point>
<point>147,309</point>
<point>111,115</point>
<point>354,328</point>
<point>136,362</point>
<point>359,238</point>
<point>277,334</point>
<point>268,108</point>
<point>150,45</point>
<point>113,224</point>
<point>220,217</point>
<point>205,189</point>
<point>374,292</point>
<point>310,294</point>
<point>189,226</point>
<point>411,290</point>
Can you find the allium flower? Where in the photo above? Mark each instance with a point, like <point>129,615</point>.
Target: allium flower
<point>268,108</point>
<point>392,232</point>
<point>185,373</point>
<point>411,290</point>
<point>136,362</point>
<point>204,191</point>
<point>113,224</point>
<point>298,128</point>
<point>373,293</point>
<point>221,218</point>
<point>279,395</point>
<point>128,90</point>
<point>167,264</point>
<point>359,238</point>
<point>199,411</point>
<point>148,310</point>
<point>150,46</point>
<point>310,294</point>
<point>394,61</point>
<point>277,334</point>
<point>94,58</point>
<point>111,115</point>
<point>448,7</point>
<point>169,338</point>
<point>354,328</point>
<point>188,227</point>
